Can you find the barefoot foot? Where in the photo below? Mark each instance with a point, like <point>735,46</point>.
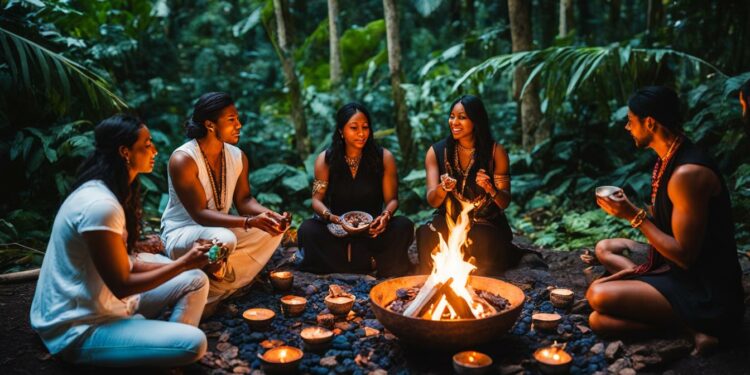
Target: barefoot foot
<point>704,344</point>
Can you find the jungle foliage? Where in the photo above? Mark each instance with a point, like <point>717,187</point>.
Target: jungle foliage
<point>65,65</point>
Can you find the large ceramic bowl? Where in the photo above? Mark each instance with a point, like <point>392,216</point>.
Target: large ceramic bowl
<point>446,334</point>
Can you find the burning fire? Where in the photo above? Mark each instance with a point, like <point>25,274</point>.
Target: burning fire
<point>450,275</point>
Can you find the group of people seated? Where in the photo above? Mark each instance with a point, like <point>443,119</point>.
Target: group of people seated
<point>98,301</point>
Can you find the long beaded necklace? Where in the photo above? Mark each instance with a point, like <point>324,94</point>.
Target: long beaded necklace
<point>219,199</point>
<point>353,164</point>
<point>464,172</point>
<point>661,166</point>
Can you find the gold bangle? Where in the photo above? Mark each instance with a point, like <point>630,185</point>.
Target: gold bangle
<point>638,218</point>
<point>327,214</point>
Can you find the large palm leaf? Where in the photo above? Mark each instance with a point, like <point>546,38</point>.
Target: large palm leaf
<point>35,68</point>
<point>563,70</point>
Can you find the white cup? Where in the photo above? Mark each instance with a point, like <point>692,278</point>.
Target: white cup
<point>611,192</point>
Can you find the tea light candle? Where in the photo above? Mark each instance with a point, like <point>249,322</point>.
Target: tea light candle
<point>471,362</point>
<point>545,321</point>
<point>281,360</point>
<point>282,280</point>
<point>316,335</point>
<point>561,297</point>
<point>293,305</point>
<point>258,319</point>
<point>553,360</point>
<point>340,305</point>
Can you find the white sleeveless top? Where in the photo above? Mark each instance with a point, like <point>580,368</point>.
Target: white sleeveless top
<point>175,215</point>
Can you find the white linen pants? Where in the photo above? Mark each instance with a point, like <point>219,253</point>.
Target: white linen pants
<point>249,253</point>
<point>137,341</point>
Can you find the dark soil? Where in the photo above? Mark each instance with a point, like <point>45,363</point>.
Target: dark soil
<point>21,351</point>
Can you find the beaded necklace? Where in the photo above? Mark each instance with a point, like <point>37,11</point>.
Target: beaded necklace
<point>464,172</point>
<point>661,166</point>
<point>219,201</point>
<point>353,164</point>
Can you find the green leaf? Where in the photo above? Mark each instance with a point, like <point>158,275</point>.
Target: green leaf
<point>296,183</point>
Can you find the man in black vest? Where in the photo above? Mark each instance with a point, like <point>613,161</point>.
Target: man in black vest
<point>692,279</point>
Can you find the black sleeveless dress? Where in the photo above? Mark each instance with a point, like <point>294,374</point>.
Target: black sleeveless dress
<point>326,253</point>
<point>708,296</point>
<point>490,234</point>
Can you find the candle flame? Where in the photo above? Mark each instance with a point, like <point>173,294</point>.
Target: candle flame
<point>471,358</point>
<point>556,357</point>
<point>282,355</point>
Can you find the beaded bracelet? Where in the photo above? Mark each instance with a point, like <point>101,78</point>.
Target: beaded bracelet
<point>246,226</point>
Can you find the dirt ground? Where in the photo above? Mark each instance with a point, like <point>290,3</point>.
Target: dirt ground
<point>21,351</point>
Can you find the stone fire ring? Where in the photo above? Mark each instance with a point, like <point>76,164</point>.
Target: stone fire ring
<point>452,334</point>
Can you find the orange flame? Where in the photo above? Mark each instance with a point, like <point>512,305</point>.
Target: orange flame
<point>449,262</point>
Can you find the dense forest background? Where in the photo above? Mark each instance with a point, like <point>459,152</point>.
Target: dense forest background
<point>555,75</point>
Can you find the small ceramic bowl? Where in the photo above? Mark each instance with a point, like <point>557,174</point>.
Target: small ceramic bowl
<point>356,221</point>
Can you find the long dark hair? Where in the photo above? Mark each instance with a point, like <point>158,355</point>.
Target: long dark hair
<point>483,140</point>
<point>208,107</point>
<point>106,164</point>
<point>372,157</point>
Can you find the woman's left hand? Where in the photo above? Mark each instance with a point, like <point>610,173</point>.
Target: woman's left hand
<point>378,225</point>
<point>484,181</point>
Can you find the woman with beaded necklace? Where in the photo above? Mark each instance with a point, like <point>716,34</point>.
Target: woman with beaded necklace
<point>207,175</point>
<point>469,166</point>
<point>355,174</point>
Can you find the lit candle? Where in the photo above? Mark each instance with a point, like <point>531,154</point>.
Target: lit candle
<point>471,362</point>
<point>553,360</point>
<point>561,297</point>
<point>340,305</point>
<point>545,321</point>
<point>281,360</point>
<point>293,305</point>
<point>316,338</point>
<point>282,280</point>
<point>258,319</point>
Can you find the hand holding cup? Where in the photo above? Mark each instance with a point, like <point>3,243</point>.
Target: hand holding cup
<point>447,182</point>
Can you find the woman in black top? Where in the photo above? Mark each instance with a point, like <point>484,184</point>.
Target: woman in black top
<point>356,174</point>
<point>469,166</point>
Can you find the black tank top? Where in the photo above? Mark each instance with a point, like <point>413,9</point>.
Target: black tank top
<point>488,210</point>
<point>361,193</point>
<point>717,258</point>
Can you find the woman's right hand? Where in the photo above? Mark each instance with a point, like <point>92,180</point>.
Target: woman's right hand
<point>335,219</point>
<point>447,182</point>
<point>266,223</point>
<point>196,257</point>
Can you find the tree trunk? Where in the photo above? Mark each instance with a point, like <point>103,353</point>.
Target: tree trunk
<point>566,17</point>
<point>302,141</point>
<point>614,18</point>
<point>547,22</point>
<point>533,130</point>
<point>403,129</point>
<point>333,42</point>
<point>584,16</point>
<point>655,15</point>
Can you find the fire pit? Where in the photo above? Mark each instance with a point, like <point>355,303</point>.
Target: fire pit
<point>446,334</point>
<point>449,308</point>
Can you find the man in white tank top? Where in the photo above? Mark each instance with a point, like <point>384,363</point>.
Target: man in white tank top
<point>208,175</point>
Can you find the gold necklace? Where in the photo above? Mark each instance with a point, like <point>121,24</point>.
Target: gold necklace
<point>218,200</point>
<point>353,163</point>
<point>464,149</point>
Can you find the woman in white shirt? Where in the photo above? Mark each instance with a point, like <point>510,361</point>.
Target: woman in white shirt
<point>93,298</point>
